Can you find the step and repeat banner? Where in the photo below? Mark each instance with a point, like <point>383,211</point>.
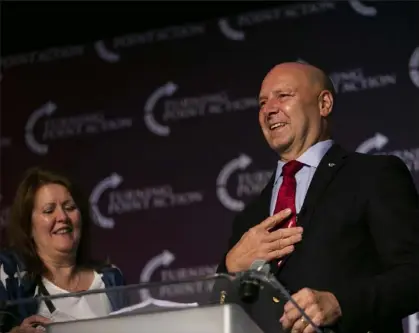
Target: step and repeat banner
<point>161,130</point>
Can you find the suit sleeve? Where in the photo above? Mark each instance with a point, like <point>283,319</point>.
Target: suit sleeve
<point>393,219</point>
<point>246,219</point>
<point>235,236</point>
<point>242,222</point>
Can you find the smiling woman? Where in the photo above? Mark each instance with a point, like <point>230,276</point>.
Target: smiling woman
<point>48,253</point>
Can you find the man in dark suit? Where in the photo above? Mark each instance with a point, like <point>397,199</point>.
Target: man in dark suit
<point>348,250</point>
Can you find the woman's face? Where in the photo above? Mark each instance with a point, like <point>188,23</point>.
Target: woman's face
<point>56,221</point>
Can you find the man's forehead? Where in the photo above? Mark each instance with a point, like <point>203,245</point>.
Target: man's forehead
<point>287,76</point>
<point>287,73</point>
<point>279,82</point>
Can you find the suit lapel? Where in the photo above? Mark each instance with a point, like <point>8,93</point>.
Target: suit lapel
<point>266,197</point>
<point>332,161</point>
<point>330,164</point>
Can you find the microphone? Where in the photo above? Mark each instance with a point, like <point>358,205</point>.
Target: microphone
<point>260,265</point>
<point>249,287</point>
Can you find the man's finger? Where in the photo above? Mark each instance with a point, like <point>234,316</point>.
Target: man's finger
<point>313,313</point>
<point>277,254</point>
<point>273,220</point>
<point>303,325</point>
<point>316,321</point>
<point>300,325</point>
<point>298,297</point>
<point>291,313</point>
<point>283,233</point>
<point>284,242</point>
<point>291,317</point>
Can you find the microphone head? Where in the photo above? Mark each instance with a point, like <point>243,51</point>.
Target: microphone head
<point>260,265</point>
<point>249,287</point>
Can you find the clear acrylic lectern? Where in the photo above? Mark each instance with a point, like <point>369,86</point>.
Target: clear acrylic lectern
<point>201,305</point>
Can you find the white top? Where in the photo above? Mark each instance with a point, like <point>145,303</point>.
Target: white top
<point>73,308</point>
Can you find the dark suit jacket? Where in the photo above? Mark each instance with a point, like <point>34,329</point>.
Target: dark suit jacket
<point>360,242</point>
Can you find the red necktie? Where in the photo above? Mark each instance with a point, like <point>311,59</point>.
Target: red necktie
<point>286,193</point>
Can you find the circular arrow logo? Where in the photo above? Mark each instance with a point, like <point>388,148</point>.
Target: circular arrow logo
<point>377,142</point>
<point>414,67</point>
<point>112,181</point>
<point>45,110</point>
<point>240,163</point>
<point>362,9</point>
<point>229,32</point>
<point>104,53</point>
<point>163,259</point>
<point>164,91</point>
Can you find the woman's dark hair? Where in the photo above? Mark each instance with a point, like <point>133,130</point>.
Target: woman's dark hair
<point>19,228</point>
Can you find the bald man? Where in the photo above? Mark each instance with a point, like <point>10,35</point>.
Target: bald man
<point>340,229</point>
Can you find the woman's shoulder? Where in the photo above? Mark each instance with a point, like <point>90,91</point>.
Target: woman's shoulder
<point>10,262</point>
<point>111,274</point>
<point>12,268</point>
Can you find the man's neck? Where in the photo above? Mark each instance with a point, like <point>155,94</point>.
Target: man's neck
<point>296,151</point>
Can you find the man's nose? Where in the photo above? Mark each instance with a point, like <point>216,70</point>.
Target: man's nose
<point>271,108</point>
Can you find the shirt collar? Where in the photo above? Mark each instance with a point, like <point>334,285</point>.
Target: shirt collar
<point>311,157</point>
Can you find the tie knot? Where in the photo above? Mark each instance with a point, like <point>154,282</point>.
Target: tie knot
<point>291,168</point>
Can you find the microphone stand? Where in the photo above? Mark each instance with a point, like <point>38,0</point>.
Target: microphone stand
<point>250,285</point>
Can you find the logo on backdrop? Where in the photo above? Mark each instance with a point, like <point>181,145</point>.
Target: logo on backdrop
<point>178,109</point>
<point>43,56</point>
<point>229,32</point>
<point>361,8</point>
<point>162,262</point>
<point>104,53</point>
<point>66,127</point>
<point>163,259</point>
<point>377,142</point>
<point>355,80</point>
<point>254,18</point>
<point>414,67</point>
<point>248,183</point>
<point>122,201</point>
<point>45,110</point>
<point>110,182</point>
<point>160,35</point>
<point>164,91</point>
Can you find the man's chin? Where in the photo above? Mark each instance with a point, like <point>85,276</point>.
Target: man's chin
<point>281,147</point>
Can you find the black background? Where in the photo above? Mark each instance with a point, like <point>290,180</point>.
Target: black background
<point>32,25</point>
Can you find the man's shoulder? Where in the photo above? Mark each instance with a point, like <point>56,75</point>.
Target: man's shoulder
<point>375,168</point>
<point>370,162</point>
<point>361,159</point>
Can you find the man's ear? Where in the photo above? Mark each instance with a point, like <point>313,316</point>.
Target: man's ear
<point>325,103</point>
